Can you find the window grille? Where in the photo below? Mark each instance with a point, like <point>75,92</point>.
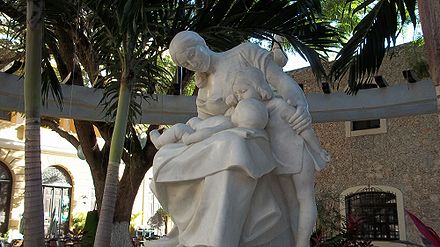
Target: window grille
<point>378,211</point>
<point>57,191</point>
<point>365,124</point>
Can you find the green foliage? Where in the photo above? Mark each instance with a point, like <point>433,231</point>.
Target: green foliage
<point>90,228</point>
<point>165,86</point>
<point>347,237</point>
<point>159,218</point>
<point>190,87</point>
<point>132,222</point>
<point>329,215</point>
<point>4,236</point>
<point>362,55</point>
<point>79,220</point>
<point>124,42</point>
<point>417,59</point>
<point>76,235</point>
<point>339,14</point>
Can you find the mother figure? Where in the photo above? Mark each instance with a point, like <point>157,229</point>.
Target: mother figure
<point>221,191</point>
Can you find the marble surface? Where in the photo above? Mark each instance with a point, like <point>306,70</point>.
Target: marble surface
<point>241,173</point>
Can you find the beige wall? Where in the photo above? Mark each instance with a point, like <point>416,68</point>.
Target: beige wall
<point>406,157</point>
<point>55,152</point>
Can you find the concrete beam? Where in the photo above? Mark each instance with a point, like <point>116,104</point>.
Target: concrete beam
<point>82,103</point>
<point>400,100</point>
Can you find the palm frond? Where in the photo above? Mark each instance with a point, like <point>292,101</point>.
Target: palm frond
<point>362,55</point>
<point>226,25</point>
<point>130,36</point>
<point>55,10</point>
<point>51,84</point>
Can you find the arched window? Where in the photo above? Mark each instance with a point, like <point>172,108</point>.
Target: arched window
<point>57,190</point>
<point>381,211</point>
<point>5,196</point>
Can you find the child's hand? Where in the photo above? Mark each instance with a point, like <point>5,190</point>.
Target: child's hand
<point>298,119</point>
<point>231,100</point>
<point>295,117</point>
<point>287,114</point>
<point>193,122</point>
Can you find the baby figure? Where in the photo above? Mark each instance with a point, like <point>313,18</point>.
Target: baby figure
<point>298,154</point>
<point>253,117</point>
<point>251,84</point>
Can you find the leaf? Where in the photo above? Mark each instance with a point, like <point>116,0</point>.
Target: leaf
<point>50,83</point>
<point>411,7</point>
<point>363,5</point>
<point>428,233</point>
<point>402,10</point>
<point>362,55</point>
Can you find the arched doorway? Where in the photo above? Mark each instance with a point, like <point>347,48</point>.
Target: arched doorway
<point>5,197</point>
<point>57,191</point>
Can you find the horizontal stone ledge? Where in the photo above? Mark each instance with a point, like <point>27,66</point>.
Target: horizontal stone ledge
<point>405,99</point>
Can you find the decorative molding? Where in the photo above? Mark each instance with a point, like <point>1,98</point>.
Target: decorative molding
<point>19,145</point>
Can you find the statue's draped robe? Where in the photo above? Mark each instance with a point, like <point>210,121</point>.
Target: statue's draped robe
<point>288,148</point>
<point>220,191</point>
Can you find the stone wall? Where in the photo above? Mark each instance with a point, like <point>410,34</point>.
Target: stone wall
<point>406,157</point>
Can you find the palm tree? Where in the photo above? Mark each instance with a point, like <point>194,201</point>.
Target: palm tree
<point>103,234</point>
<point>130,53</point>
<point>159,219</point>
<point>126,38</point>
<point>33,201</point>
<point>362,55</point>
<point>430,20</point>
<point>146,29</point>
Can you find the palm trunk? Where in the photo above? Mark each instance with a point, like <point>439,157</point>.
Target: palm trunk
<point>430,20</point>
<point>33,201</point>
<point>103,233</point>
<point>121,235</point>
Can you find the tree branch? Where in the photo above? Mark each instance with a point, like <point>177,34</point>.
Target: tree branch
<point>149,143</point>
<point>54,126</point>
<point>149,150</point>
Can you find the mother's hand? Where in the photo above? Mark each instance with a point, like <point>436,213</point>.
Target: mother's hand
<point>301,119</point>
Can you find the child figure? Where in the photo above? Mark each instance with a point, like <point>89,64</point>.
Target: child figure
<point>253,117</point>
<point>298,155</point>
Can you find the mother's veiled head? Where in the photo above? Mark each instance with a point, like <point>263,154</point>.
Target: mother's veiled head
<point>184,40</point>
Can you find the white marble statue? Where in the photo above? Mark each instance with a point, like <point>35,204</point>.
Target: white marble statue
<point>250,83</point>
<point>196,129</point>
<point>241,173</point>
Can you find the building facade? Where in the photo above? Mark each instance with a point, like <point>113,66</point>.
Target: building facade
<point>67,184</point>
<point>381,167</point>
<point>68,189</point>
